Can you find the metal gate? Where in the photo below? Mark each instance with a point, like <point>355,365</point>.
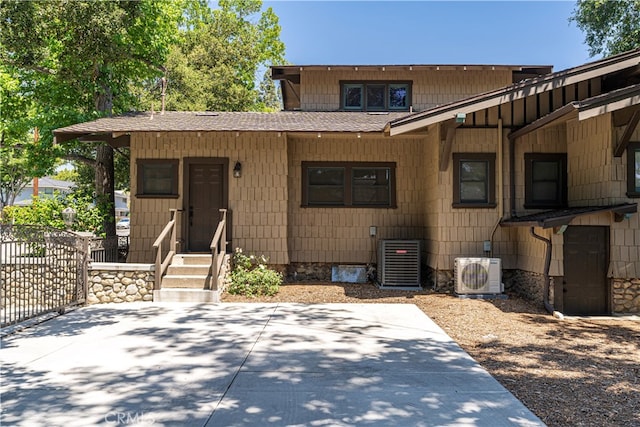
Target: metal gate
<point>42,270</point>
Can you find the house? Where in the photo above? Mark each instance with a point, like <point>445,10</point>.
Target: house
<point>121,204</point>
<point>43,187</point>
<point>536,168</point>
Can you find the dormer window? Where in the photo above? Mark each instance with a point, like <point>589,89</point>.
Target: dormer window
<point>375,96</point>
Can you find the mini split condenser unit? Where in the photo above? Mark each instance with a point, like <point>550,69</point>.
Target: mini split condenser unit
<point>399,263</point>
<point>478,276</point>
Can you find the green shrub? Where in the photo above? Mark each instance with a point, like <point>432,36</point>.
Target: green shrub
<point>251,277</point>
<point>47,211</point>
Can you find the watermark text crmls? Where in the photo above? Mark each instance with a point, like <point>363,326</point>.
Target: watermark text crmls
<point>128,418</point>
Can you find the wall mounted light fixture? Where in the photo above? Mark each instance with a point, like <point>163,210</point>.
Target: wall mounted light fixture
<point>237,170</point>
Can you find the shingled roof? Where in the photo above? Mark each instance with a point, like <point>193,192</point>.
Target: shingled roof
<point>284,121</point>
<point>520,90</point>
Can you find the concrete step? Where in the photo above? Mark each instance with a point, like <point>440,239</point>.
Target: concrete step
<point>185,295</point>
<point>188,269</point>
<point>191,259</point>
<point>191,281</point>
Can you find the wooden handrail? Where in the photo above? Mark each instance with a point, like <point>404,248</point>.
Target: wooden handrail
<point>218,248</point>
<point>162,264</point>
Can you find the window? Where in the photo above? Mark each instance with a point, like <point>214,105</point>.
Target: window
<point>157,178</point>
<point>545,180</point>
<point>474,180</point>
<point>633,169</point>
<point>330,184</point>
<point>376,96</point>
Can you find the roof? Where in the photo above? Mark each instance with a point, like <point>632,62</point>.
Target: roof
<point>515,91</point>
<point>587,108</point>
<point>561,217</point>
<point>283,121</point>
<point>323,67</point>
<point>292,72</point>
<point>47,182</point>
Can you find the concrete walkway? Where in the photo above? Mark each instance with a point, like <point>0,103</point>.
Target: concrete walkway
<point>247,365</point>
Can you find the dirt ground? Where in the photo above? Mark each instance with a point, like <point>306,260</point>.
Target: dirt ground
<point>570,372</point>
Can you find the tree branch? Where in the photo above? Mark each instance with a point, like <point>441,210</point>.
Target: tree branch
<point>82,159</point>
<point>150,64</point>
<point>122,153</point>
<point>31,67</point>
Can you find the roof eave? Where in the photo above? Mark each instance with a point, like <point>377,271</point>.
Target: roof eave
<point>516,91</point>
<point>561,220</point>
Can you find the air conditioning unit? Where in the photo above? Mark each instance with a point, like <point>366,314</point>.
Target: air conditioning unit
<point>478,276</point>
<point>399,263</point>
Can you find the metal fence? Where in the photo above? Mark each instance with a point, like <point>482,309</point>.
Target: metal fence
<point>109,249</point>
<point>42,270</point>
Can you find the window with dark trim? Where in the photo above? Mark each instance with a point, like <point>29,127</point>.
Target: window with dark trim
<point>633,169</point>
<point>545,177</point>
<point>474,180</point>
<point>375,96</point>
<point>348,184</point>
<point>157,178</point>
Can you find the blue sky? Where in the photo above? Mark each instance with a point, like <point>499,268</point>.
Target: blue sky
<point>430,32</point>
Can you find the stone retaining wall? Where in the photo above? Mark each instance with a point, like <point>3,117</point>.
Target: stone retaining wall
<point>526,285</point>
<point>305,272</point>
<point>119,282</point>
<point>626,296</point>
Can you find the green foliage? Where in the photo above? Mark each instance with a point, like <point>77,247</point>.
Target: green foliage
<point>15,133</point>
<point>48,212</point>
<point>610,26</point>
<point>217,62</point>
<point>76,61</point>
<point>70,175</point>
<point>251,277</point>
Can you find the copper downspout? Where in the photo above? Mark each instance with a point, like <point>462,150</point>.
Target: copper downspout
<point>547,267</point>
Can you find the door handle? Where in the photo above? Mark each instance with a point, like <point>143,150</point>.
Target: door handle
<point>190,215</point>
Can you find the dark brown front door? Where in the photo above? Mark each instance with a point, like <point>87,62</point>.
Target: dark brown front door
<point>586,257</point>
<point>206,196</point>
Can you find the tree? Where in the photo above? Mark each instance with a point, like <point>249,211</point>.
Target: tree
<point>77,60</point>
<point>610,26</point>
<point>14,134</point>
<point>218,60</point>
<point>80,60</point>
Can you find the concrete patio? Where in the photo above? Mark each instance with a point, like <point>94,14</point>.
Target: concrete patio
<point>170,364</point>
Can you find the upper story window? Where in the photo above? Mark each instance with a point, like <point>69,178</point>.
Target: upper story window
<point>474,180</point>
<point>375,96</point>
<point>157,178</point>
<point>545,180</point>
<point>348,184</point>
<point>633,169</point>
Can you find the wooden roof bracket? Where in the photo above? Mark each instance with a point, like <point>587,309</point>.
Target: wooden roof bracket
<point>622,144</point>
<point>447,132</point>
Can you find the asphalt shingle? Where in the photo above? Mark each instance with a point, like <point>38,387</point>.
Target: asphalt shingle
<point>284,121</point>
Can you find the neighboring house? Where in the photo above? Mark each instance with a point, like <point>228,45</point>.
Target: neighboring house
<point>47,187</point>
<point>44,187</point>
<point>539,169</point>
<point>121,204</point>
